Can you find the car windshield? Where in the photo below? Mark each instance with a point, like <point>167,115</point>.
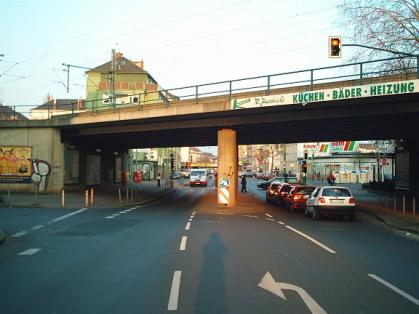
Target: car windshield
<point>275,186</point>
<point>198,173</point>
<point>286,188</point>
<point>307,190</point>
<point>336,192</point>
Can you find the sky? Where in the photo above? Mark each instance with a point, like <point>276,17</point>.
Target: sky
<point>182,42</point>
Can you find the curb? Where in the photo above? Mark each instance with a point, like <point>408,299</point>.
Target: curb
<point>387,223</point>
<point>2,237</point>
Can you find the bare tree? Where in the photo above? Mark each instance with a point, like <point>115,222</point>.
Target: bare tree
<point>387,24</point>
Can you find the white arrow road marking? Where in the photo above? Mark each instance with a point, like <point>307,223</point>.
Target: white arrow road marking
<point>269,283</point>
<point>395,289</point>
<point>188,226</point>
<point>29,252</point>
<point>174,292</point>
<point>311,239</point>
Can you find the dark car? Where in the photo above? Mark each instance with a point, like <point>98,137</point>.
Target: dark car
<point>298,196</point>
<point>283,192</point>
<point>272,191</point>
<point>175,175</point>
<point>264,184</point>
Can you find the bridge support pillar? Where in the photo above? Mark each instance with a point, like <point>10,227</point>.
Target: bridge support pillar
<point>227,168</point>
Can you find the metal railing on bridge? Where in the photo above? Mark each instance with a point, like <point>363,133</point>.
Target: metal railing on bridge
<point>308,77</point>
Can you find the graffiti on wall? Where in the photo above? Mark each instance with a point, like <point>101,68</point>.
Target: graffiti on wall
<point>40,172</point>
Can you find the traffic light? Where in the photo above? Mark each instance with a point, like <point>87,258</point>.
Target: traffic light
<point>304,166</point>
<point>172,162</point>
<point>335,47</point>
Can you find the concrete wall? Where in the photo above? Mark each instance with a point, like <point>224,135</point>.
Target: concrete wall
<point>46,145</point>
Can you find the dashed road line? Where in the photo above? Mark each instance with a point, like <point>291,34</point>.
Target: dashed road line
<point>395,289</point>
<point>37,227</point>
<point>110,217</point>
<point>280,222</point>
<point>68,215</point>
<point>183,243</point>
<point>19,234</point>
<point>270,219</point>
<point>188,226</point>
<point>174,291</point>
<point>269,215</point>
<point>190,219</point>
<point>250,216</point>
<point>312,240</point>
<point>29,251</point>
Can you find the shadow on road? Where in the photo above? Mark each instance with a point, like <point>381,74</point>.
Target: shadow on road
<point>211,290</point>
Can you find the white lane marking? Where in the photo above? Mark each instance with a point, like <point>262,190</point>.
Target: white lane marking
<point>188,226</point>
<point>122,212</point>
<point>37,227</point>
<point>250,216</point>
<point>109,217</point>
<point>19,234</point>
<point>193,213</point>
<point>132,208</point>
<point>280,222</point>
<point>29,251</point>
<point>190,219</point>
<point>183,243</point>
<point>395,289</point>
<point>116,215</point>
<point>270,219</point>
<point>311,239</point>
<point>68,215</point>
<point>129,210</point>
<point>174,292</point>
<point>270,216</point>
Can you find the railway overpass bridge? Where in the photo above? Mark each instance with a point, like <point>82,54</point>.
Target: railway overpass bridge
<point>379,108</point>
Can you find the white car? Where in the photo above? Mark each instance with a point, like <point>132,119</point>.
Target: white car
<point>331,200</point>
<point>198,177</point>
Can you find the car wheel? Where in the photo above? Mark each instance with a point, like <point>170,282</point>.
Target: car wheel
<point>316,214</point>
<point>306,213</point>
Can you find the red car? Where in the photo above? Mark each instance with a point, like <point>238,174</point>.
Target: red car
<point>297,197</point>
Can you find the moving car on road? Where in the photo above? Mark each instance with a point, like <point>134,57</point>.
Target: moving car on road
<point>283,192</point>
<point>198,177</point>
<point>331,200</point>
<point>272,192</point>
<point>264,184</point>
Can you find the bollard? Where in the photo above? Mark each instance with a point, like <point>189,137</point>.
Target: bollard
<point>62,199</point>
<point>414,205</point>
<point>404,204</point>
<point>119,195</point>
<point>92,197</point>
<point>86,198</point>
<point>395,203</point>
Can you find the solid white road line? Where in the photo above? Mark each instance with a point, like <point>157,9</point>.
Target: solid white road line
<point>19,234</point>
<point>68,215</point>
<point>37,227</point>
<point>174,292</point>
<point>395,289</point>
<point>280,222</point>
<point>183,243</point>
<point>188,226</point>
<point>270,216</point>
<point>29,252</point>
<point>311,239</point>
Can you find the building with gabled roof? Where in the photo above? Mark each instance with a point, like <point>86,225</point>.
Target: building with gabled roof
<point>129,82</point>
<point>8,113</point>
<point>54,107</point>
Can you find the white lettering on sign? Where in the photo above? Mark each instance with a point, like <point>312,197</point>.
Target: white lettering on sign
<point>371,90</point>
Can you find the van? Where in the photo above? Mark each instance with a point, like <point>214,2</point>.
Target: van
<point>198,177</point>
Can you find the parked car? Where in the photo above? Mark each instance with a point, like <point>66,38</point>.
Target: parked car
<point>272,191</point>
<point>283,192</point>
<point>298,196</point>
<point>264,184</point>
<point>249,175</point>
<point>331,200</point>
<point>175,175</point>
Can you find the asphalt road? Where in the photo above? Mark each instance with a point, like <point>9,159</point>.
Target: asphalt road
<point>167,256</point>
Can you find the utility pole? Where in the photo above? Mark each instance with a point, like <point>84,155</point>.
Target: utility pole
<point>112,85</point>
<point>68,72</point>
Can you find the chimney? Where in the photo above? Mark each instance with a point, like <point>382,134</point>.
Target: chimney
<point>54,104</point>
<point>139,64</point>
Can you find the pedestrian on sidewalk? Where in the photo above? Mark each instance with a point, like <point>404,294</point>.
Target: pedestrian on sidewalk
<point>158,179</point>
<point>244,183</point>
<point>331,179</point>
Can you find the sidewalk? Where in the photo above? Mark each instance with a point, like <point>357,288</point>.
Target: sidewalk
<point>374,204</point>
